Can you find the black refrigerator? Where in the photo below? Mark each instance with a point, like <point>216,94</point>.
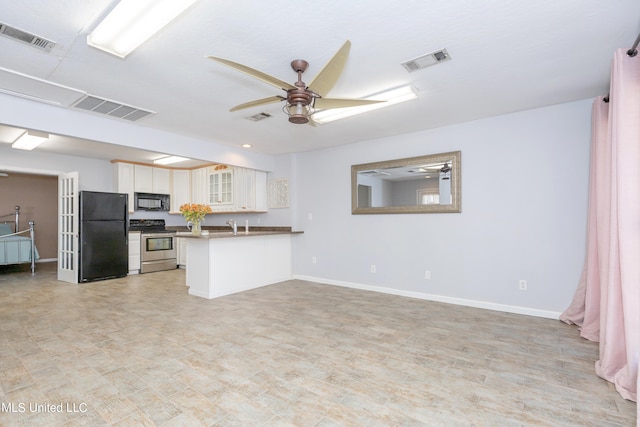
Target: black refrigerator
<point>104,222</point>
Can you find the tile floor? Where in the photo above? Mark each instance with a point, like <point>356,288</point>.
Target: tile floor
<point>139,351</point>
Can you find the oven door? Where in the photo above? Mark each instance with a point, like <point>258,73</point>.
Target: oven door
<point>157,246</point>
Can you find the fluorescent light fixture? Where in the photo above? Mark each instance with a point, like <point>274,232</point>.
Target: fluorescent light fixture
<point>392,97</point>
<point>132,22</point>
<point>169,160</point>
<point>30,140</point>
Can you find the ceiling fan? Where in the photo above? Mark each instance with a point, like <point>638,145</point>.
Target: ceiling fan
<point>302,100</point>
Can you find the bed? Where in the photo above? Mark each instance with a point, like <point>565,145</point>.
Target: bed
<point>17,246</point>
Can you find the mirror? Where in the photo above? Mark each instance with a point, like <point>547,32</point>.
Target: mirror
<point>424,184</point>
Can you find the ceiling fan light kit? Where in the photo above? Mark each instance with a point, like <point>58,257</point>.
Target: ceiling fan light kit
<point>303,100</point>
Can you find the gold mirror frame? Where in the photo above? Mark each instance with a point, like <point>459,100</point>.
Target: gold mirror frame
<point>453,158</point>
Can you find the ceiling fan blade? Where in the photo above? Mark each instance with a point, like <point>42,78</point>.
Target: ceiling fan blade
<point>263,101</point>
<point>327,103</point>
<point>280,84</point>
<point>324,81</point>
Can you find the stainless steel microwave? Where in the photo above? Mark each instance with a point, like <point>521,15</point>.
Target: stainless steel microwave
<point>151,202</point>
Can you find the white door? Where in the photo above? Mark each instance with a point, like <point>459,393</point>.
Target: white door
<point>68,227</point>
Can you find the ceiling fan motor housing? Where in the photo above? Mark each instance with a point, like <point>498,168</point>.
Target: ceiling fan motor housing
<point>299,106</point>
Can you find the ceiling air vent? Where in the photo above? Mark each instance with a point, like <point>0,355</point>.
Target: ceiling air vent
<point>258,117</point>
<point>427,60</point>
<point>111,108</point>
<point>25,37</point>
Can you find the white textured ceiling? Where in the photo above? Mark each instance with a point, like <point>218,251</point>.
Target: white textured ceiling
<point>507,55</point>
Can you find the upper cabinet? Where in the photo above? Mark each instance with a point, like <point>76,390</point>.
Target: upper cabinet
<point>225,188</point>
<point>180,189</point>
<point>220,189</point>
<point>250,188</point>
<point>199,186</point>
<point>149,179</point>
<point>123,175</point>
<point>161,180</point>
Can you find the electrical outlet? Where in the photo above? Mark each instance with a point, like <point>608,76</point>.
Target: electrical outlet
<point>522,285</point>
<point>313,260</point>
<point>373,268</point>
<point>427,274</point>
<point>309,216</point>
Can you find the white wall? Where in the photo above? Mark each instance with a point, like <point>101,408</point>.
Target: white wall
<point>28,114</point>
<point>524,199</point>
<point>94,175</point>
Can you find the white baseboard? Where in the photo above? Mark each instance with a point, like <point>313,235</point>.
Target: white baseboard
<point>439,298</point>
<point>46,260</point>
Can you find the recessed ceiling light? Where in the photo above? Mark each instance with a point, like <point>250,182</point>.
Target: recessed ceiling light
<point>247,145</point>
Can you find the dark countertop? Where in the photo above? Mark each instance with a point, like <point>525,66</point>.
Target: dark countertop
<point>227,234</point>
<point>218,232</point>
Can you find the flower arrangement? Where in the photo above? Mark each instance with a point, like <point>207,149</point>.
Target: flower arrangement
<point>195,212</point>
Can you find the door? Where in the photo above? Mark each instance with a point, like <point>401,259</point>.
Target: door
<point>104,250</point>
<point>68,227</point>
<point>99,206</point>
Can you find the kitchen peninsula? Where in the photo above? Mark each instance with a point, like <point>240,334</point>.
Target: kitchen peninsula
<point>220,263</point>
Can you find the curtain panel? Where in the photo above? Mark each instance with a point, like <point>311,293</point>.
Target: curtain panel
<point>606,305</point>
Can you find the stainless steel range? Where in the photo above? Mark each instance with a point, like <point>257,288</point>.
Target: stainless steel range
<point>157,245</point>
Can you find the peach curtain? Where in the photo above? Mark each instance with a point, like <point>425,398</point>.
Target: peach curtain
<point>606,305</point>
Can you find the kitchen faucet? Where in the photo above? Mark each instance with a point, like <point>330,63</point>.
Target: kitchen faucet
<point>234,226</point>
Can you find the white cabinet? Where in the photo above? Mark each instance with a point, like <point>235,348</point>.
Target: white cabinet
<point>143,179</point>
<point>181,251</point>
<point>261,191</point>
<point>180,189</point>
<point>124,178</point>
<point>250,188</point>
<point>134,252</point>
<point>220,190</point>
<point>225,190</point>
<point>161,178</point>
<point>148,179</point>
<point>199,191</point>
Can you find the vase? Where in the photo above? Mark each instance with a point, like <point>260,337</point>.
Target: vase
<point>196,229</point>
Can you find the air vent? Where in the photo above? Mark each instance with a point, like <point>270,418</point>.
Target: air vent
<point>111,108</point>
<point>374,172</point>
<point>27,38</point>
<point>258,117</point>
<point>427,60</point>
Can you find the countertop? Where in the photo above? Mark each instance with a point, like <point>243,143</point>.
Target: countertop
<point>221,232</point>
<point>227,234</point>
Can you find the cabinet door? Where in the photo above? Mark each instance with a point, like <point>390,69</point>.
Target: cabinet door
<point>180,191</point>
<point>161,180</point>
<point>243,188</point>
<point>134,252</point>
<point>221,190</point>
<point>199,191</point>
<point>143,178</point>
<point>182,252</point>
<point>261,191</point>
<point>124,176</point>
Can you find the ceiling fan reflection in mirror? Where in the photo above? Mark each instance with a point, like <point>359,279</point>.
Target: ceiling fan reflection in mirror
<point>302,100</point>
